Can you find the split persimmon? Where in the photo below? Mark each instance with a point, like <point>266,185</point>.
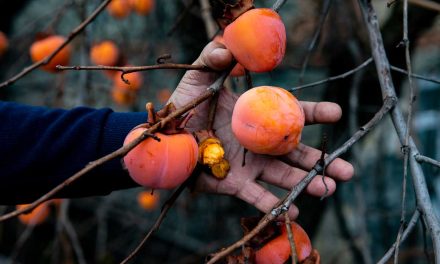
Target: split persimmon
<point>277,250</point>
<point>105,53</point>
<point>40,49</point>
<point>257,39</point>
<point>148,200</point>
<point>268,120</point>
<point>161,165</point>
<point>36,216</point>
<point>142,7</point>
<point>119,8</point>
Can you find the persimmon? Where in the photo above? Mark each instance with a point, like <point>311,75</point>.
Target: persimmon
<point>40,49</point>
<point>134,78</point>
<point>277,250</point>
<point>238,69</point>
<point>161,165</point>
<point>119,8</point>
<point>148,200</point>
<point>105,53</point>
<point>123,96</point>
<point>257,39</point>
<point>142,7</point>
<point>268,120</point>
<point>36,216</point>
<point>4,43</point>
<point>163,95</point>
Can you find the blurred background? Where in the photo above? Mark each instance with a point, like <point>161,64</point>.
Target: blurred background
<point>356,225</point>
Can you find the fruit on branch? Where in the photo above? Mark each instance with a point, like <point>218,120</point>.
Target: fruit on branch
<point>134,81</point>
<point>238,69</point>
<point>142,7</point>
<point>257,39</point>
<point>268,120</point>
<point>40,49</point>
<point>4,43</point>
<point>36,216</point>
<point>122,96</point>
<point>148,200</point>
<point>212,153</point>
<point>161,165</point>
<point>119,8</point>
<point>105,53</point>
<point>277,250</point>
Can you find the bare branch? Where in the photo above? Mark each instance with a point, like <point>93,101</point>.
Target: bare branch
<point>129,69</point>
<point>290,237</point>
<point>421,158</point>
<point>417,76</point>
<point>47,59</point>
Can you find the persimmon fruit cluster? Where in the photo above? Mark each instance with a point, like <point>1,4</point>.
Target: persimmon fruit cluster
<point>268,120</point>
<point>257,39</point>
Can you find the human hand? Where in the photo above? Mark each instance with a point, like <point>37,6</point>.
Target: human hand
<point>242,181</point>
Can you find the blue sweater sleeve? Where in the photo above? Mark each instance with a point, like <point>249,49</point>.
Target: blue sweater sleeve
<point>41,147</point>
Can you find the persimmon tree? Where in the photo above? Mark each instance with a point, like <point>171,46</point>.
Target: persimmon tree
<point>257,40</point>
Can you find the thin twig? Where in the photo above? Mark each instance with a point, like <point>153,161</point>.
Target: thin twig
<point>421,158</point>
<point>216,86</point>
<point>129,69</point>
<point>290,237</point>
<point>333,78</point>
<point>387,87</point>
<point>48,58</point>
<point>431,5</point>
<point>417,76</point>
<point>284,204</point>
<point>412,223</point>
<point>324,12</point>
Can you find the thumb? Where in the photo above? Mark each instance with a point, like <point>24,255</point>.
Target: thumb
<point>194,82</point>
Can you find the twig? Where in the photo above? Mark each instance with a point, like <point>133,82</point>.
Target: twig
<point>126,69</point>
<point>412,223</point>
<point>216,86</point>
<point>21,241</point>
<point>278,4</point>
<point>426,4</point>
<point>290,237</point>
<point>387,88</point>
<point>71,233</point>
<point>325,9</point>
<point>283,205</point>
<point>165,208</point>
<point>417,76</point>
<point>333,78</point>
<point>210,24</point>
<point>47,59</point>
<point>421,158</point>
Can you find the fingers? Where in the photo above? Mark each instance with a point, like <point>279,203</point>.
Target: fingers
<point>305,157</point>
<point>322,112</point>
<point>285,176</point>
<point>215,56</point>
<point>262,199</point>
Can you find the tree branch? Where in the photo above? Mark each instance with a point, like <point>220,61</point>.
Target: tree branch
<point>421,158</point>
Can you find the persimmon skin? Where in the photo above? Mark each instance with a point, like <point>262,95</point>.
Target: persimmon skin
<point>257,39</point>
<point>4,43</point>
<point>40,49</point>
<point>119,9</point>
<point>142,7</point>
<point>161,165</point>
<point>36,216</point>
<point>268,120</point>
<point>277,251</point>
<point>134,78</point>
<point>105,53</point>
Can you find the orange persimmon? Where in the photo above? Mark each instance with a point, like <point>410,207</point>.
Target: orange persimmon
<point>119,8</point>
<point>142,7</point>
<point>163,95</point>
<point>36,216</point>
<point>148,200</point>
<point>277,251</point>
<point>134,78</point>
<point>161,165</point>
<point>122,96</point>
<point>4,43</point>
<point>257,39</point>
<point>268,120</point>
<point>40,49</point>
<point>105,53</point>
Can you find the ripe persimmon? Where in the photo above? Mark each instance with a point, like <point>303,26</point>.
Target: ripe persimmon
<point>277,250</point>
<point>257,39</point>
<point>40,49</point>
<point>161,165</point>
<point>142,7</point>
<point>105,53</point>
<point>4,43</point>
<point>122,96</point>
<point>268,120</point>
<point>36,216</point>
<point>148,200</point>
<point>119,8</point>
<point>134,78</point>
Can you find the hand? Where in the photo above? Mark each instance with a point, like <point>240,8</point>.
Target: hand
<point>242,181</point>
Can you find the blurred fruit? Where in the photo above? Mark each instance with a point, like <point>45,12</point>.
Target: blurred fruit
<point>105,53</point>
<point>36,216</point>
<point>268,120</point>
<point>122,96</point>
<point>148,200</point>
<point>4,43</point>
<point>163,95</point>
<point>142,7</point>
<point>161,165</point>
<point>135,81</point>
<point>40,49</point>
<point>257,39</point>
<point>119,8</point>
